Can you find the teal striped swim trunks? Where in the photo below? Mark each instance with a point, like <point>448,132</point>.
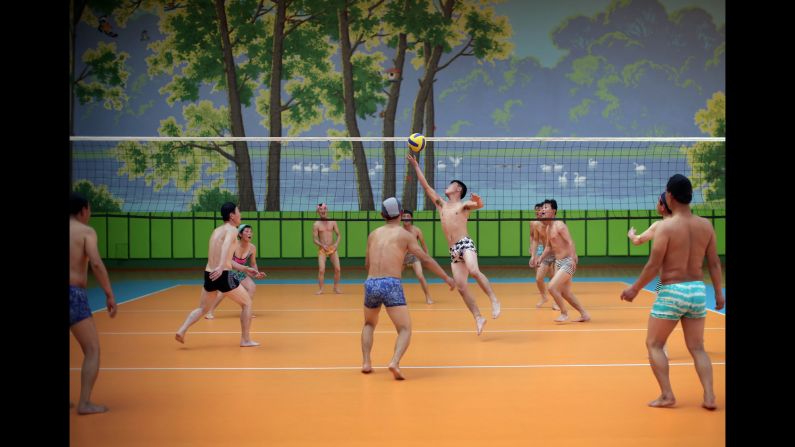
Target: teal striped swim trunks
<point>681,300</point>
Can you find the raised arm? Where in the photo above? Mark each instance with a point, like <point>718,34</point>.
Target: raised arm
<point>652,268</point>
<point>428,190</point>
<point>713,264</point>
<point>475,204</point>
<point>643,237</point>
<point>100,272</point>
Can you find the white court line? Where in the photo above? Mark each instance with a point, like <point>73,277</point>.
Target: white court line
<point>136,299</point>
<point>451,331</point>
<point>358,309</point>
<point>708,309</point>
<point>339,368</point>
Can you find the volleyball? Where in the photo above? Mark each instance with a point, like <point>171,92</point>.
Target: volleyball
<point>416,142</point>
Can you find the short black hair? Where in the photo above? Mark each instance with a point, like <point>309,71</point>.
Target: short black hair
<point>463,187</point>
<point>680,187</point>
<point>552,202</point>
<point>76,203</point>
<point>538,205</point>
<point>408,212</point>
<point>227,209</point>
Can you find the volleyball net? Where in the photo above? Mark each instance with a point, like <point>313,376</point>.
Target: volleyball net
<point>160,174</point>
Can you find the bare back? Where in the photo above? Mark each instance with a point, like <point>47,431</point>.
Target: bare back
<point>80,239</point>
<point>454,217</point>
<point>386,248</point>
<point>685,240</point>
<point>217,238</point>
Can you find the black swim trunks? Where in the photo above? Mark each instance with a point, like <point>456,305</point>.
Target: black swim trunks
<point>224,283</point>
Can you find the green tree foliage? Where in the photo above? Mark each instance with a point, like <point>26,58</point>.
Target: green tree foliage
<point>220,44</point>
<point>98,196</point>
<point>103,77</point>
<point>452,29</point>
<point>185,163</point>
<point>211,199</point>
<point>708,159</point>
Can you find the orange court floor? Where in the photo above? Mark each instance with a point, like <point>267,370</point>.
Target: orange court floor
<point>525,381</point>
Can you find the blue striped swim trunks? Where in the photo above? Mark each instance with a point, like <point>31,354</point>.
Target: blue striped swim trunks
<point>681,300</point>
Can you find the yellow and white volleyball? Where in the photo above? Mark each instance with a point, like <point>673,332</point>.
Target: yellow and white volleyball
<point>416,142</point>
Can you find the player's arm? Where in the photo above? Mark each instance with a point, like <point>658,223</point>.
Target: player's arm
<point>427,261</point>
<point>100,272</point>
<point>422,239</point>
<point>367,254</point>
<point>713,264</point>
<point>316,235</point>
<point>566,236</point>
<point>254,270</point>
<point>337,232</point>
<point>428,190</point>
<point>475,204</point>
<point>643,237</point>
<point>229,237</point>
<point>653,266</point>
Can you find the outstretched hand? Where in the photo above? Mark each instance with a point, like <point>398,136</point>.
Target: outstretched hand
<point>412,160</point>
<point>631,232</point>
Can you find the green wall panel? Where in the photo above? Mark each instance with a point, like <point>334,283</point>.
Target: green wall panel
<point>161,238</point>
<point>183,236</point>
<point>139,237</point>
<point>117,238</point>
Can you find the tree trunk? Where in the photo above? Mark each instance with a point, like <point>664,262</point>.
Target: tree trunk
<point>272,201</point>
<point>426,84</point>
<point>245,186</point>
<point>430,162</point>
<point>390,112</point>
<point>359,158</point>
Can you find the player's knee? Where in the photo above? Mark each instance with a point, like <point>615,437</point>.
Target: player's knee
<point>653,343</point>
<point>695,346</point>
<point>321,270</point>
<point>337,269</point>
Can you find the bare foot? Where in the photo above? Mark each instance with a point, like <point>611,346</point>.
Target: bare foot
<point>663,402</point>
<point>209,316</point>
<point>583,318</point>
<point>561,318</point>
<point>555,307</point>
<point>366,368</point>
<point>428,300</point>
<point>396,372</point>
<point>91,408</point>
<point>253,316</point>
<point>337,291</point>
<point>179,337</point>
<point>709,403</point>
<point>542,301</point>
<point>319,292</point>
<point>247,344</point>
<point>480,321</point>
<point>495,309</point>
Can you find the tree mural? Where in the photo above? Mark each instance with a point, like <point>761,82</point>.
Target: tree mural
<point>455,28</point>
<point>708,159</point>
